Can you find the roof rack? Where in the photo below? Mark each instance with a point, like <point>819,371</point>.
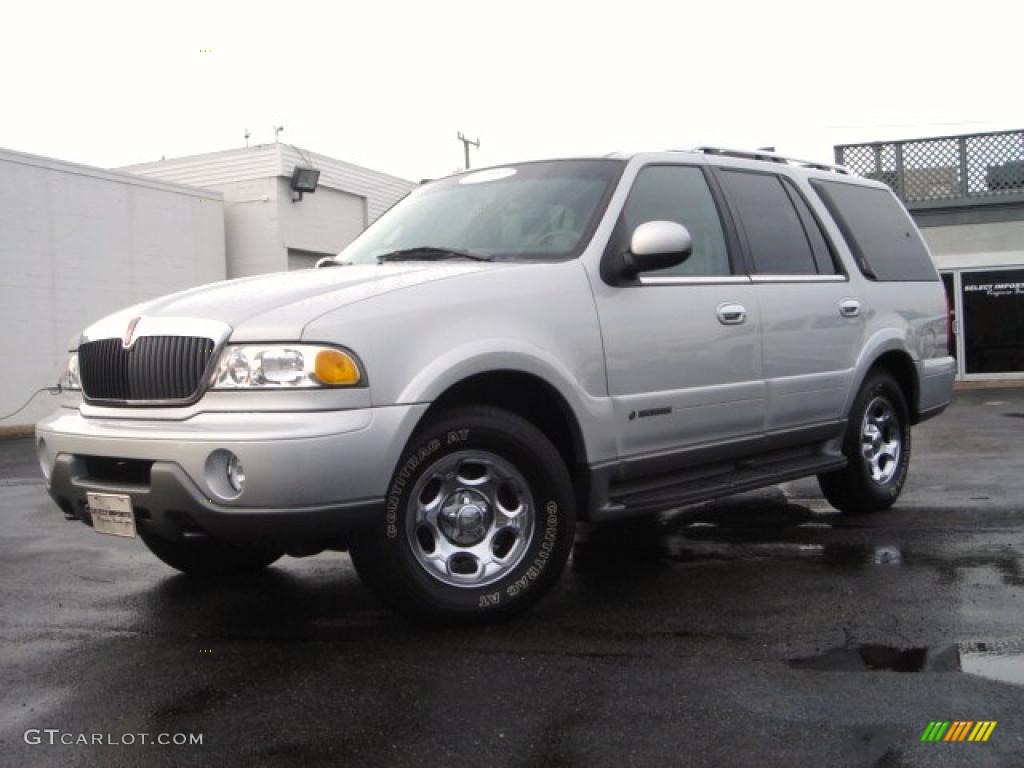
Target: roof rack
<point>771,157</point>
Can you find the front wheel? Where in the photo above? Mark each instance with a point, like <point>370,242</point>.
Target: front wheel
<point>479,520</point>
<point>877,446</point>
<point>208,558</point>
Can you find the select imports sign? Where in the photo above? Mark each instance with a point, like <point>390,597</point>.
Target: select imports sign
<point>996,289</point>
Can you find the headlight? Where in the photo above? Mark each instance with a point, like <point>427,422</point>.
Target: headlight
<point>285,366</point>
<point>70,379</point>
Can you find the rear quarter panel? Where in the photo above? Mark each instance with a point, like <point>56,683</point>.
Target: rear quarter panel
<point>902,316</point>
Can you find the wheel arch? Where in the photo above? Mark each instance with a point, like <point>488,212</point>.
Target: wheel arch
<point>527,395</point>
<point>900,366</point>
<point>890,354</point>
<point>499,360</point>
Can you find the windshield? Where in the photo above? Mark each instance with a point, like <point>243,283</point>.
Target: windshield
<point>538,211</point>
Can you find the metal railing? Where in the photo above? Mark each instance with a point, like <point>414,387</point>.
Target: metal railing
<point>969,169</point>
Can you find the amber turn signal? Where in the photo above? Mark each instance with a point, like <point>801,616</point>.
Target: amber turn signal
<point>335,368</point>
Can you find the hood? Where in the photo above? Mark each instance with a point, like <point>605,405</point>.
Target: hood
<point>277,306</point>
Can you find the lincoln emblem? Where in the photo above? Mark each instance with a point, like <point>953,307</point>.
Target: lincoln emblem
<point>126,340</point>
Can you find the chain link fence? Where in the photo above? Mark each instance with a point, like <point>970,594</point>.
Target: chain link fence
<point>972,167</point>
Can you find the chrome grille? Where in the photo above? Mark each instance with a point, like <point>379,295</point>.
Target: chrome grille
<point>154,368</point>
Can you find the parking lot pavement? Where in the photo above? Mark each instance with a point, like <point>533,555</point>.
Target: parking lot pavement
<point>761,630</point>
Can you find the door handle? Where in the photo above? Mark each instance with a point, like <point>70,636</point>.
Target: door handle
<point>849,308</point>
<point>732,314</point>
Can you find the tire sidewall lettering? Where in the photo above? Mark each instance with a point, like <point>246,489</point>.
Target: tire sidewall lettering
<point>547,546</point>
<point>495,595</point>
<point>457,436</point>
<point>399,482</point>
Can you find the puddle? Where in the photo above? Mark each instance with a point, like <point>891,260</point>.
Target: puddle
<point>756,510</point>
<point>740,545</point>
<point>769,526</point>
<point>862,554</point>
<point>1001,660</point>
<point>871,657</point>
<point>888,555</point>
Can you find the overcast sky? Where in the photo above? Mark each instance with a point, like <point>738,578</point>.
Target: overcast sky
<point>387,85</point>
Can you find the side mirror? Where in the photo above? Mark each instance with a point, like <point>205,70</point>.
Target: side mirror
<point>657,245</point>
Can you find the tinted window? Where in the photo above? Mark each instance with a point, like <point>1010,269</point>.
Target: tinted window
<point>681,194</point>
<point>778,243</point>
<point>879,231</point>
<point>824,259</point>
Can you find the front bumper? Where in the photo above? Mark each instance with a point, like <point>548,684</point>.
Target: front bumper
<point>311,477</point>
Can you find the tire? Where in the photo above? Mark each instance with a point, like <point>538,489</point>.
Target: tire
<point>479,521</point>
<point>208,558</point>
<point>877,445</point>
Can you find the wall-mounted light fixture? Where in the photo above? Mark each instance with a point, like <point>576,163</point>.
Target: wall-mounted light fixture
<point>303,180</point>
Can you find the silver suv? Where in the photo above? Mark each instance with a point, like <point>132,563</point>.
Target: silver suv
<point>507,352</point>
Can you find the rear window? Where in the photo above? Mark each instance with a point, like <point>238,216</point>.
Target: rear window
<point>879,231</point>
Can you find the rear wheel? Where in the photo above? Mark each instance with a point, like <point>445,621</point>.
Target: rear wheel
<point>479,522</point>
<point>877,445</point>
<point>208,558</point>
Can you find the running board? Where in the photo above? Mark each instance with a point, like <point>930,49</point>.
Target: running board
<point>623,503</point>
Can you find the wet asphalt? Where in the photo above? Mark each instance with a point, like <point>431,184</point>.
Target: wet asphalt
<point>760,630</point>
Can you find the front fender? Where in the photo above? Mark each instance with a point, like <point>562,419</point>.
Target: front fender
<point>509,354</point>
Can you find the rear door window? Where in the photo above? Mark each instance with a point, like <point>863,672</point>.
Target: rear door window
<point>776,236</point>
<point>824,257</point>
<point>879,231</point>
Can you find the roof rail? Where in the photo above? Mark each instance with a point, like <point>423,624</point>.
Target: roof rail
<point>771,157</point>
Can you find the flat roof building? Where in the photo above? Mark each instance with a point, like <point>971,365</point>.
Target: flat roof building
<point>266,228</point>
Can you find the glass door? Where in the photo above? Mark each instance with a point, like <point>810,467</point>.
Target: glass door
<point>991,319</point>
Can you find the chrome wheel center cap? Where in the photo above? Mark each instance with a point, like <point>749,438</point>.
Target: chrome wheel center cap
<point>465,518</point>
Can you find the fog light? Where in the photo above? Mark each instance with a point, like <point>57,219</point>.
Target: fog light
<point>236,473</point>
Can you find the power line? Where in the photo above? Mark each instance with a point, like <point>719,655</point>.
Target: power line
<point>52,390</point>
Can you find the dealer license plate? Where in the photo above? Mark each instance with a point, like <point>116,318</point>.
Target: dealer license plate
<point>112,514</point>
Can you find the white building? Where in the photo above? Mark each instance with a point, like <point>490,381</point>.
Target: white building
<point>267,230</point>
<point>77,243</point>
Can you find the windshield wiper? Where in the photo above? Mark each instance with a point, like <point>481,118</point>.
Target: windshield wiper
<point>430,253</point>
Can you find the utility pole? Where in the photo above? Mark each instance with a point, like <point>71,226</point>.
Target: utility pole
<point>247,135</point>
<point>465,145</point>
